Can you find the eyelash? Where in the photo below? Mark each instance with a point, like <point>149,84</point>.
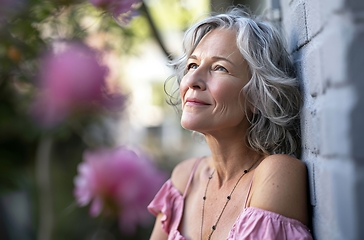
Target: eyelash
<point>223,69</point>
<point>217,67</point>
<point>189,66</point>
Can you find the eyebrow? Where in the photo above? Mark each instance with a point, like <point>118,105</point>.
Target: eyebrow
<point>215,58</point>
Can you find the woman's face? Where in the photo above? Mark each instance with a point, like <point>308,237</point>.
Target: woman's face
<point>211,90</point>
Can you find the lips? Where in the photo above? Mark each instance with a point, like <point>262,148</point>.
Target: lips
<point>195,102</point>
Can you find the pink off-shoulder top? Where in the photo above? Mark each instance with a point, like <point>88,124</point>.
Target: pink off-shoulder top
<point>252,223</point>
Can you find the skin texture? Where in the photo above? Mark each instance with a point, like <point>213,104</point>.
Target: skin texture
<point>210,90</point>
<point>212,105</point>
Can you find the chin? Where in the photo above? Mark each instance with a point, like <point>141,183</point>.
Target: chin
<point>194,123</point>
<point>191,126</point>
<point>187,126</point>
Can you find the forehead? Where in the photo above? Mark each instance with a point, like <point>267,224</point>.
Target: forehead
<point>219,42</point>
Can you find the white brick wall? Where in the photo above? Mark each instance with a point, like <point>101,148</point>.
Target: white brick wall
<point>294,20</point>
<point>326,38</point>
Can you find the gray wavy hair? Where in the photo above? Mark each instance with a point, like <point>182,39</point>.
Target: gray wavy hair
<point>272,92</point>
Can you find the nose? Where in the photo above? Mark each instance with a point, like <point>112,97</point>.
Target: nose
<point>196,79</point>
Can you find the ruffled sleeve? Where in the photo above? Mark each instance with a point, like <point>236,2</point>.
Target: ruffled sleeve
<point>169,202</point>
<point>255,223</point>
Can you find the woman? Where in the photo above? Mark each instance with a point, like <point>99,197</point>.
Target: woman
<point>237,88</point>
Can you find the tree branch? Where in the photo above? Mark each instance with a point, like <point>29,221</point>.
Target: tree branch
<point>155,31</point>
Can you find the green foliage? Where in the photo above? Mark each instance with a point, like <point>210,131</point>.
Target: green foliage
<point>24,35</point>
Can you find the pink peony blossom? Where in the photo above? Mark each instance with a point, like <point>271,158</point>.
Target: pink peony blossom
<point>121,10</point>
<point>70,79</point>
<point>118,181</point>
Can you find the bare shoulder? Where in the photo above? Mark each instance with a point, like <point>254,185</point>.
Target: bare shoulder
<point>280,185</point>
<point>181,173</point>
<point>282,164</point>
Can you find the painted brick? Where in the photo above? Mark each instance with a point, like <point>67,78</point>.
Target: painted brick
<point>311,137</point>
<point>328,46</point>
<point>310,68</point>
<point>359,189</point>
<point>335,40</point>
<point>334,123</point>
<point>294,23</point>
<point>309,160</point>
<point>285,12</point>
<point>310,144</point>
<point>313,18</point>
<point>334,215</point>
<point>355,74</point>
<point>324,220</point>
<point>329,8</point>
<point>342,174</point>
<point>355,5</point>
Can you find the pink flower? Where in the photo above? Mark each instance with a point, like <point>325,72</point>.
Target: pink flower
<point>118,181</point>
<point>121,10</point>
<point>71,79</point>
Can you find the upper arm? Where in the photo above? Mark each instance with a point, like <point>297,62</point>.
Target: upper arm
<point>280,185</point>
<point>158,233</point>
<point>179,178</point>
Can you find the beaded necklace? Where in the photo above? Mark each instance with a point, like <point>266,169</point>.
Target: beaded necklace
<point>228,198</point>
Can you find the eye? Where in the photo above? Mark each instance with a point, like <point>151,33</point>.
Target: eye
<point>220,68</point>
<point>192,66</point>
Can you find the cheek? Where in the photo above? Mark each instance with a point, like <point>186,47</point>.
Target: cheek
<point>182,89</point>
<point>230,100</point>
<point>225,94</point>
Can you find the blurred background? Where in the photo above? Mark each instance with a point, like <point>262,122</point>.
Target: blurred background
<point>77,76</point>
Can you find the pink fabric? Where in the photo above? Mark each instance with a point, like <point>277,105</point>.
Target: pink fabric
<point>170,202</point>
<point>255,223</point>
<point>252,223</point>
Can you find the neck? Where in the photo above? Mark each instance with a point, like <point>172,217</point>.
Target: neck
<point>231,158</point>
